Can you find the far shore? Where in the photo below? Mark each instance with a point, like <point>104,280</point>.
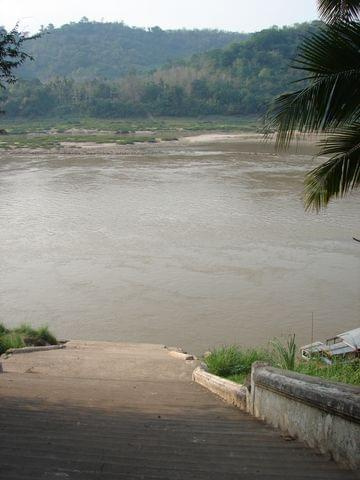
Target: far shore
<point>250,140</point>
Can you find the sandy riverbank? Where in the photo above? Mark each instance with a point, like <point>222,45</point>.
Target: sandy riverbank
<point>246,141</point>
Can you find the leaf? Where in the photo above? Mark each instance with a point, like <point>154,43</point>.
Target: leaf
<point>331,98</point>
<point>340,174</point>
<point>334,10</point>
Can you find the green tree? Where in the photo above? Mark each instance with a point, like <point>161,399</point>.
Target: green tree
<point>12,54</point>
<point>329,103</point>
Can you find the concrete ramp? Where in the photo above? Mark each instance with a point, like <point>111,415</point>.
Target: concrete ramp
<point>98,410</point>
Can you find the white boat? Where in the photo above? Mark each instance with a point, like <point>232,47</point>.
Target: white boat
<point>345,344</point>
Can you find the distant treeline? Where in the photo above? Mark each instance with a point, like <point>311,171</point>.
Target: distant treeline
<point>239,79</point>
<point>86,50</point>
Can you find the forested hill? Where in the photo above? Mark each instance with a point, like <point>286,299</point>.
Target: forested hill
<point>243,77</point>
<point>239,79</point>
<point>87,50</point>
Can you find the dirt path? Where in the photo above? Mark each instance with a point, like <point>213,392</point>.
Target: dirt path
<point>130,411</point>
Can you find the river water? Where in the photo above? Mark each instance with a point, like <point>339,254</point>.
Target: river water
<point>190,244</point>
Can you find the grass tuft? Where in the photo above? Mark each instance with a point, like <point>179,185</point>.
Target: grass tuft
<point>285,355</point>
<point>25,336</point>
<point>45,334</point>
<point>11,340</point>
<point>234,363</point>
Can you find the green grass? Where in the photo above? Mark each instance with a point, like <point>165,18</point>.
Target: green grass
<point>339,371</point>
<point>25,336</point>
<point>234,363</point>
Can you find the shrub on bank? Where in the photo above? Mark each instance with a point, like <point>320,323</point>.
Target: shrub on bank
<point>234,363</point>
<point>338,371</point>
<point>25,336</point>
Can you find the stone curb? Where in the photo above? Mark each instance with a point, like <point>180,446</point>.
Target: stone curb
<point>15,351</point>
<point>231,392</point>
<point>181,355</point>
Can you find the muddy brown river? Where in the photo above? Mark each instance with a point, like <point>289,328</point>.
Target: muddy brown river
<point>192,244</point>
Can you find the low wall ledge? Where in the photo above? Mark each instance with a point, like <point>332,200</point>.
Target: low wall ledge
<point>231,392</point>
<point>17,351</point>
<point>332,397</point>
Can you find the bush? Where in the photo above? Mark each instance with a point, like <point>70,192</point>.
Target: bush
<point>11,340</point>
<point>339,371</point>
<point>233,362</point>
<point>47,336</point>
<point>24,336</point>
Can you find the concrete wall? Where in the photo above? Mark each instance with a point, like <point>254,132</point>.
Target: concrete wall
<point>325,415</point>
<point>231,392</point>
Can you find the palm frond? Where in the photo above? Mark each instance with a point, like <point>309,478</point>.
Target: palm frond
<point>340,174</point>
<point>331,98</point>
<point>334,10</point>
<point>331,49</point>
<point>285,353</point>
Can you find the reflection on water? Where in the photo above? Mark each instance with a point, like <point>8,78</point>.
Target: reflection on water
<point>191,246</point>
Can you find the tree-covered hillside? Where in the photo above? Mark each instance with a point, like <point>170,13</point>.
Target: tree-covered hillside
<point>239,79</point>
<point>86,50</point>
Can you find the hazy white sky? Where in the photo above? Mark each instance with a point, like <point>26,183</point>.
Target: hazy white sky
<point>237,15</point>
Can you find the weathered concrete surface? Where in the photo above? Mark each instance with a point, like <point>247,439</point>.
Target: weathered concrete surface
<point>325,415</point>
<point>120,411</point>
<point>231,392</point>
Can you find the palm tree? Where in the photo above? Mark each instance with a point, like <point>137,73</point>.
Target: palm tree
<point>328,103</point>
